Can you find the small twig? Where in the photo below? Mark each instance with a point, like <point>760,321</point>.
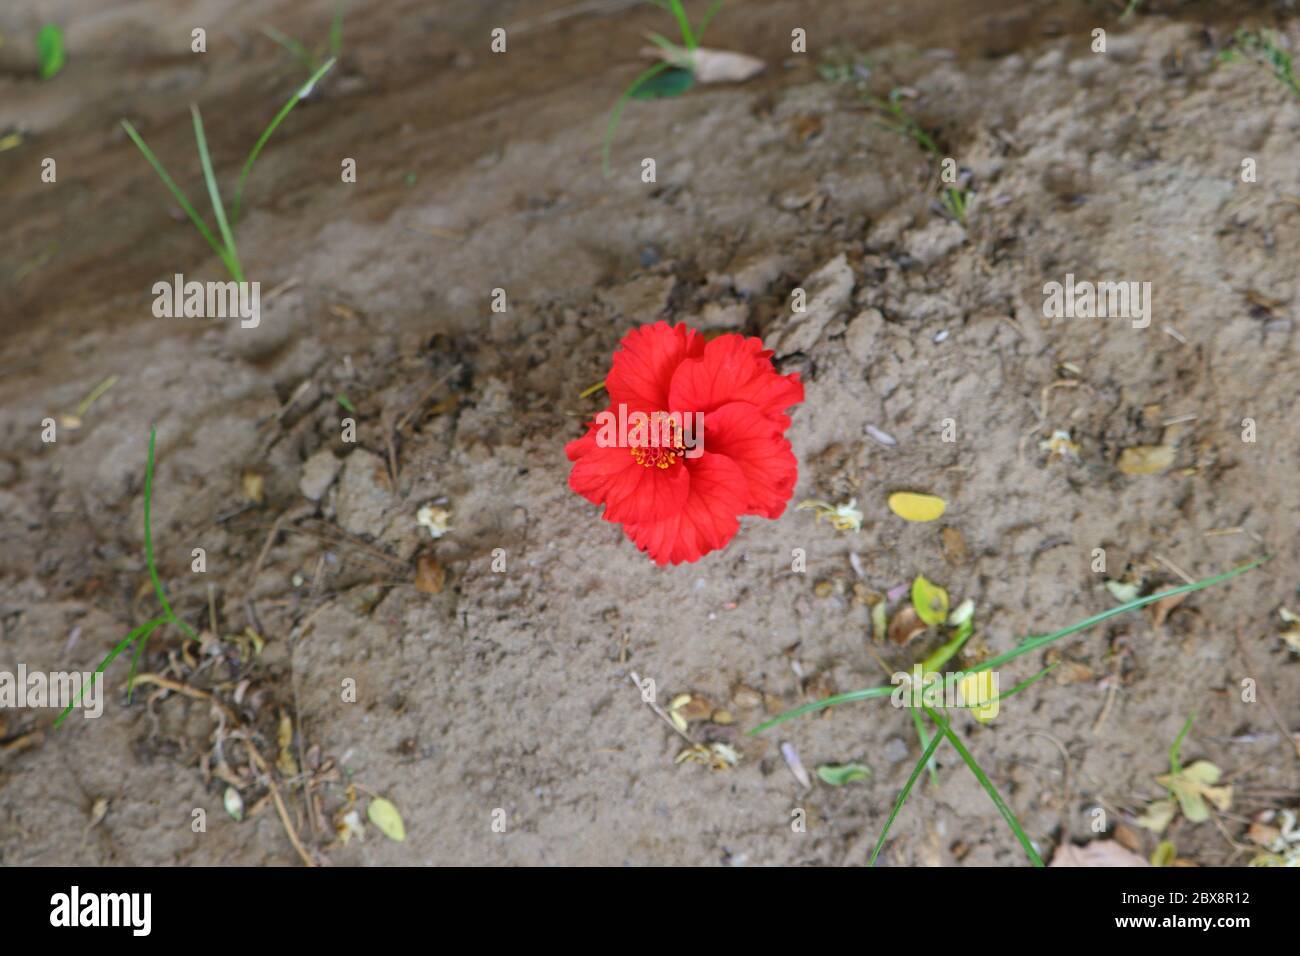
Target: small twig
<point>636,682</point>
<point>1187,578</point>
<point>262,766</point>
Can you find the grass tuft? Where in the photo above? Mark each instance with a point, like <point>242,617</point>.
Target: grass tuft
<point>141,634</point>
<point>643,86</point>
<point>225,247</point>
<point>1028,645</point>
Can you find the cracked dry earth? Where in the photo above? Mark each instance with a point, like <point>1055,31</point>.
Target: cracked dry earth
<point>510,690</point>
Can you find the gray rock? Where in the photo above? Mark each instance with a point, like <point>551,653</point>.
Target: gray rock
<point>895,750</point>
<point>862,334</point>
<point>827,292</point>
<point>364,495</point>
<point>932,243</point>
<point>318,473</point>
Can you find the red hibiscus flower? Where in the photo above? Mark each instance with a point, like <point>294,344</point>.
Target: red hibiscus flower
<point>694,437</point>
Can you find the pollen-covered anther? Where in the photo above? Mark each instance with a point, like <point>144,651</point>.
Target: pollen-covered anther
<point>667,450</point>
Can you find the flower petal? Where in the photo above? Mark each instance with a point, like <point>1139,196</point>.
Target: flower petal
<point>644,364</point>
<point>628,490</point>
<point>741,432</point>
<point>733,368</point>
<point>708,520</point>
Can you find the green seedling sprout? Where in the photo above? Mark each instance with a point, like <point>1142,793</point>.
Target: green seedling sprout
<point>140,636</point>
<point>673,84</point>
<point>225,247</point>
<point>49,49</point>
<point>1027,646</point>
<point>954,200</point>
<point>1263,48</point>
<point>310,61</point>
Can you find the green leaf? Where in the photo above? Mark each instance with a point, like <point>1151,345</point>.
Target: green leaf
<point>49,47</point>
<point>385,816</point>
<point>837,775</point>
<point>930,601</point>
<point>671,82</point>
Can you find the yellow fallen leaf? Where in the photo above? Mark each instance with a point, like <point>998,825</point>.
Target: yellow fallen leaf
<point>1159,814</point>
<point>1146,459</point>
<point>385,816</point>
<point>979,693</point>
<point>915,507</point>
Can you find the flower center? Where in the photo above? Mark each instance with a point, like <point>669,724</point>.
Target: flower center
<point>664,446</point>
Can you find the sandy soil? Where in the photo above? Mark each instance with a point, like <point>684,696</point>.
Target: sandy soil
<point>509,691</point>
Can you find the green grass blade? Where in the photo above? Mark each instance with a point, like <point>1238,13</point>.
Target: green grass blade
<point>907,789</point>
<point>180,197</point>
<point>336,31</point>
<point>706,20</point>
<point>617,112</point>
<point>140,633</point>
<point>866,693</point>
<point>924,737</point>
<point>1033,643</point>
<point>987,784</point>
<point>300,94</point>
<point>683,24</point>
<point>1022,685</point>
<point>214,193</point>
<point>296,49</point>
<point>1175,762</point>
<point>168,614</point>
<point>1025,647</point>
<point>135,665</point>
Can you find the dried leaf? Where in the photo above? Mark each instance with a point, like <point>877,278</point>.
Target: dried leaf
<point>1096,853</point>
<point>1194,786</point>
<point>911,506</point>
<point>1159,814</point>
<point>955,551</point>
<point>285,762</point>
<point>430,576</point>
<point>709,66</point>
<point>251,484</point>
<point>844,517</point>
<point>99,810</point>
<point>906,624</point>
<point>1164,854</point>
<point>1146,459</point>
<point>1160,610</point>
<point>384,815</point>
